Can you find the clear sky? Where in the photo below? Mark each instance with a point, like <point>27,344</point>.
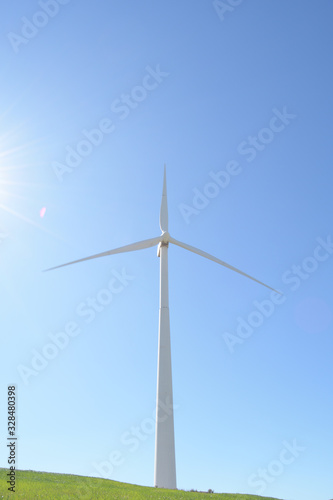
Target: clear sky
<point>236,98</point>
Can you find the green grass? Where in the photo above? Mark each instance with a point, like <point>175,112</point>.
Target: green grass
<point>42,485</point>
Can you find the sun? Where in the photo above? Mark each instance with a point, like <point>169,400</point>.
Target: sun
<point>6,164</point>
<point>16,189</point>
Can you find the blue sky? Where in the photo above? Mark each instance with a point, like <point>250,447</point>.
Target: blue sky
<point>236,98</point>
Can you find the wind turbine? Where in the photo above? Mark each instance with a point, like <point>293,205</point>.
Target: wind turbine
<point>165,463</point>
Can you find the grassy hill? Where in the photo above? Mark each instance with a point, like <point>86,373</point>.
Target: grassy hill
<point>42,485</point>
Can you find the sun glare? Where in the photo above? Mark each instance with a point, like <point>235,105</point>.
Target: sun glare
<point>16,192</point>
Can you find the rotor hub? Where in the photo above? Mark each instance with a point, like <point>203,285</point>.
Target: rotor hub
<point>165,237</point>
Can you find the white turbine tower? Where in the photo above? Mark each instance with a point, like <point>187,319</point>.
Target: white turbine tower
<point>165,463</point>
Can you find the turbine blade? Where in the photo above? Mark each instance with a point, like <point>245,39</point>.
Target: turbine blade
<point>218,261</point>
<point>127,248</point>
<point>164,207</point>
